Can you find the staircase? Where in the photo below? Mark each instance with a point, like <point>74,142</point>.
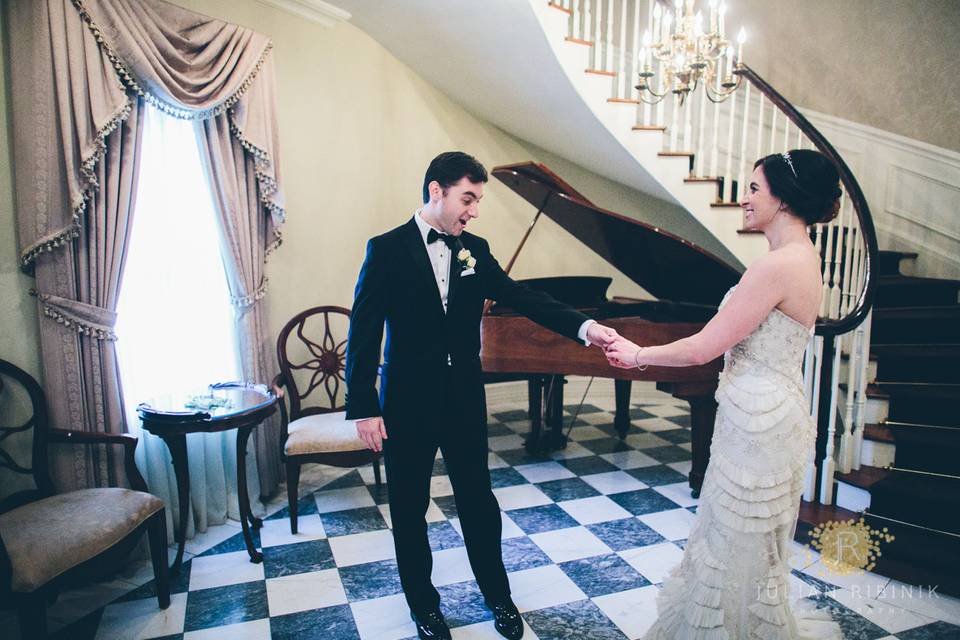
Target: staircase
<point>912,486</point>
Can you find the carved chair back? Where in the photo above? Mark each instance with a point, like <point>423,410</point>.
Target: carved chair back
<point>24,475</point>
<point>311,352</point>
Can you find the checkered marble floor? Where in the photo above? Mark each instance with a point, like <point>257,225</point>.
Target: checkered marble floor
<point>589,533</point>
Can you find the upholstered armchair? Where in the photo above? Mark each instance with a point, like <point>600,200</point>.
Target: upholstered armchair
<point>51,541</point>
<point>314,427</point>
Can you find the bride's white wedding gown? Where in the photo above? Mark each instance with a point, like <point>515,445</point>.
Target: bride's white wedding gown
<point>732,581</point>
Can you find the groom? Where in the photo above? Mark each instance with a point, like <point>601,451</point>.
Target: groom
<point>427,281</point>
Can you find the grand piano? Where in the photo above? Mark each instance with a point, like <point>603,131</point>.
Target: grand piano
<point>687,281</point>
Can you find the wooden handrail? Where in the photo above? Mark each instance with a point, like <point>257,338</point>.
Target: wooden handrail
<point>826,326</point>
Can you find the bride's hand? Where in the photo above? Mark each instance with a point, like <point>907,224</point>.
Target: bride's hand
<point>622,353</point>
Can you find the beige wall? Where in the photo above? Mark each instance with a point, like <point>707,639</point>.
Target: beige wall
<point>889,64</point>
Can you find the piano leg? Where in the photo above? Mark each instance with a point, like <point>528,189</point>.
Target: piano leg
<point>546,427</point>
<point>534,400</point>
<point>703,414</point>
<point>621,420</point>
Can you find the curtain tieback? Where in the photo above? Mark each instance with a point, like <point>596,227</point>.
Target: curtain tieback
<point>243,301</point>
<point>87,319</point>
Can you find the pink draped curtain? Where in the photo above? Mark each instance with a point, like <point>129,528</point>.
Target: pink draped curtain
<point>82,71</point>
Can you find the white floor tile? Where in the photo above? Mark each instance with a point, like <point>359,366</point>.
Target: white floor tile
<point>581,434</point>
<point>595,418</point>
<point>383,618</point>
<point>573,543</point>
<point>440,486</point>
<point>343,499</point>
<point>451,566</point>
<point>486,631</point>
<point>921,600</point>
<point>655,561</point>
<point>252,630</point>
<point>277,532</point>
<point>543,587</point>
<point>686,445</point>
<point>223,569</point>
<point>666,411</point>
<point>595,509</point>
<point>885,615</point>
<point>684,466</point>
<point>673,524</point>
<point>520,496</point>
<point>544,471</point>
<point>571,451</point>
<point>505,443</point>
<point>358,548</point>
<point>630,459</point>
<point>679,493</point>
<point>366,472</point>
<point>305,591</point>
<point>385,512</point>
<point>496,462</point>
<point>214,535</point>
<point>613,482</point>
<point>656,424</point>
<point>632,611</point>
<point>139,619</point>
<point>645,441</point>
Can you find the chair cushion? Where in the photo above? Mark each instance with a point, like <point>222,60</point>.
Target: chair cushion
<point>47,537</point>
<point>322,433</point>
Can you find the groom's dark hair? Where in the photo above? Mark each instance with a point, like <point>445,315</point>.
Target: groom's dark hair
<point>449,167</point>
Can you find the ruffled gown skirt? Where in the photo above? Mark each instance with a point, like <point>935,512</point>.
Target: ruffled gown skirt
<point>732,581</point>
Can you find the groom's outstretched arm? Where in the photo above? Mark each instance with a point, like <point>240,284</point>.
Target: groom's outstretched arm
<point>541,307</point>
<point>366,334</point>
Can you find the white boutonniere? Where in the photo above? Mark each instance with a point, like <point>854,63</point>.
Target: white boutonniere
<point>466,260</point>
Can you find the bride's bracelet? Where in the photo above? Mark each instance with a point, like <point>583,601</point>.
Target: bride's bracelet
<point>636,360</point>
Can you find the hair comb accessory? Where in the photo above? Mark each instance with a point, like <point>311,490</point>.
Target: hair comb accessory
<point>786,158</point>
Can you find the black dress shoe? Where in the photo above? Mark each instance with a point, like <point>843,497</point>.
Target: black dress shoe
<point>431,625</point>
<point>507,620</point>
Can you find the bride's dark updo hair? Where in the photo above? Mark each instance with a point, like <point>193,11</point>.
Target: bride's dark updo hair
<point>807,182</point>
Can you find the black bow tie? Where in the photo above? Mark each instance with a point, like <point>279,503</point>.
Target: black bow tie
<point>450,241</point>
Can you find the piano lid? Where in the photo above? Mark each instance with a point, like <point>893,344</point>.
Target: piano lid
<point>664,264</point>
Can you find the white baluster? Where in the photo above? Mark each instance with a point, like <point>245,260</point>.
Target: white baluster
<point>728,172</point>
<point>715,147</point>
<point>829,234</point>
<point>609,43</point>
<point>687,125</point>
<point>828,464</point>
<point>810,482</point>
<point>786,133</point>
<point>743,143</point>
<point>760,116</point>
<point>800,139</point>
<point>861,416</point>
<point>701,158</point>
<point>837,263</point>
<point>773,129</point>
<point>675,127</point>
<point>572,18</point>
<point>660,120</point>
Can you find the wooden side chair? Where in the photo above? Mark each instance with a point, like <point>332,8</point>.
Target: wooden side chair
<point>312,363</point>
<point>51,541</point>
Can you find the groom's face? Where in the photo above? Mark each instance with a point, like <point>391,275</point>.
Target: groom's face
<point>459,205</point>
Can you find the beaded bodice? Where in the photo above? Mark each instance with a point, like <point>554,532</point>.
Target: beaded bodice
<point>777,344</point>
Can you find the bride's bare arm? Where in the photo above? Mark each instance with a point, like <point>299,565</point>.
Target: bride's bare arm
<point>760,290</point>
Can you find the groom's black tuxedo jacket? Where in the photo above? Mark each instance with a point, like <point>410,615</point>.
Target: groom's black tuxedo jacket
<point>397,289</point>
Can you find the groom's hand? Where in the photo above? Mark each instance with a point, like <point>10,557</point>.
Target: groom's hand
<point>373,432</point>
<point>601,336</point>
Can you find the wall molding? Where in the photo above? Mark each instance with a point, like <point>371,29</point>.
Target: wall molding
<point>318,11</point>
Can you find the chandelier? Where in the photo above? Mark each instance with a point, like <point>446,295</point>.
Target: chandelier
<point>687,55</point>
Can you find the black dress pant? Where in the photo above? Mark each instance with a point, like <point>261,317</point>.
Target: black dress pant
<point>409,453</point>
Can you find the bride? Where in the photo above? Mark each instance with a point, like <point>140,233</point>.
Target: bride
<point>732,582</point>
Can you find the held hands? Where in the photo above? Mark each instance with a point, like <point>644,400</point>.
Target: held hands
<point>373,432</point>
<point>623,354</point>
<point>601,336</point>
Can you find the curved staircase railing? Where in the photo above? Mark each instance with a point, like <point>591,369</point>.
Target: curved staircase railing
<point>721,141</point>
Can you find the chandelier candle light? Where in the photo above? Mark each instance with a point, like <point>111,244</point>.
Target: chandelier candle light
<point>686,55</point>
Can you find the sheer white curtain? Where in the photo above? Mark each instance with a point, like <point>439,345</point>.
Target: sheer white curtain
<point>175,323</point>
